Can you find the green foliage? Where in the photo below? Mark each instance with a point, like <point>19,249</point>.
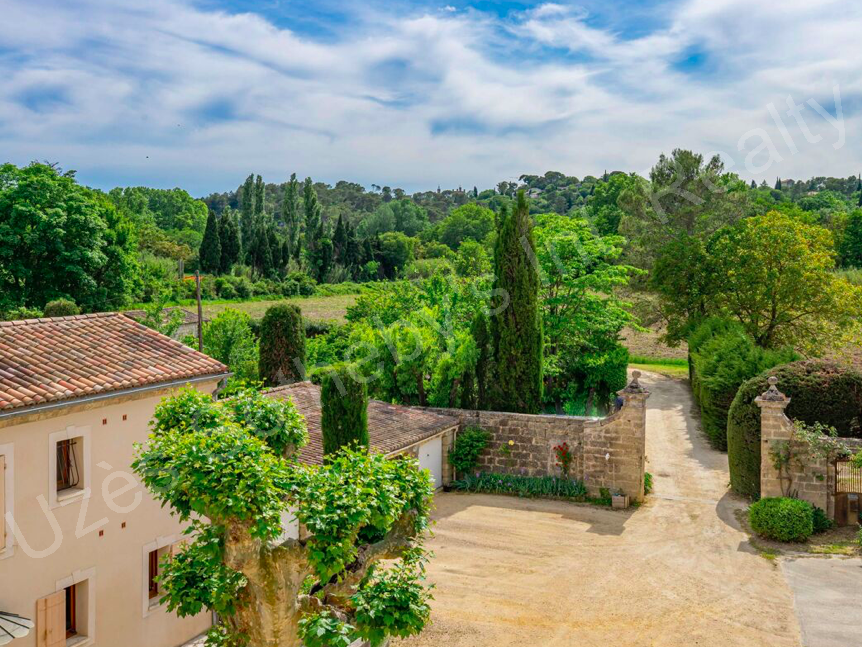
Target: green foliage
<point>469,445</point>
<point>647,482</point>
<point>719,366</point>
<point>782,519</point>
<point>471,222</point>
<point>277,422</point>
<point>209,255</point>
<point>472,259</point>
<point>325,630</point>
<point>850,249</point>
<point>344,416</point>
<point>516,324</point>
<point>282,345</point>
<point>480,329</point>
<point>523,486</point>
<point>229,339</point>
<point>396,251</point>
<point>821,523</point>
<point>59,239</point>
<point>61,308</point>
<point>229,242</point>
<point>819,391</point>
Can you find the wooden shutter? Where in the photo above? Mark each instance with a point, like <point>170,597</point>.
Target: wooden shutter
<point>51,620</point>
<point>2,502</point>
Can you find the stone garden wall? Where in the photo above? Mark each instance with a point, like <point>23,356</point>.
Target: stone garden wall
<point>608,452</point>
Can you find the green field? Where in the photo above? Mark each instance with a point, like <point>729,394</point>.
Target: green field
<point>672,367</point>
<point>318,308</point>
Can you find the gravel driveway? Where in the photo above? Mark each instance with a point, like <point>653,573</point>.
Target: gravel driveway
<point>678,572</point>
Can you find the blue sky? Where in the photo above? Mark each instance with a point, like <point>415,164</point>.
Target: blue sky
<point>414,93</point>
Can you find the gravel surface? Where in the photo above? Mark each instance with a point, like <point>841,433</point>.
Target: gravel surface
<point>677,572</point>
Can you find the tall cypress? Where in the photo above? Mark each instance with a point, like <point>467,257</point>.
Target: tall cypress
<point>859,189</point>
<point>516,329</point>
<point>228,234</point>
<point>311,208</point>
<point>482,338</point>
<point>344,410</point>
<point>282,345</point>
<point>259,199</point>
<point>246,221</point>
<point>290,213</point>
<point>209,254</point>
<point>778,184</point>
<point>339,241</point>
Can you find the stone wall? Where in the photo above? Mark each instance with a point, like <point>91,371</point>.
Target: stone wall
<point>608,452</point>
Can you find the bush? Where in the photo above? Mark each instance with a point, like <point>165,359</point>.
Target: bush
<point>721,364</point>
<point>226,290</point>
<point>821,522</point>
<point>782,519</point>
<point>21,312</point>
<point>469,445</point>
<point>523,486</point>
<point>243,287</point>
<point>61,308</point>
<point>344,410</point>
<point>282,345</point>
<point>647,482</point>
<point>819,391</point>
<point>229,339</point>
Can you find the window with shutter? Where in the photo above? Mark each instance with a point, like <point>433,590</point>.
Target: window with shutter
<point>51,620</point>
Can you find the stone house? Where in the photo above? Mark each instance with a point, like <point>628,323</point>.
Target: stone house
<point>82,539</point>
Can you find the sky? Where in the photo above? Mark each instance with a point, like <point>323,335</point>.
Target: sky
<point>418,94</point>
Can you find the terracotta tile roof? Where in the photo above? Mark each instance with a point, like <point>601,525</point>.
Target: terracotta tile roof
<point>391,427</point>
<point>62,358</point>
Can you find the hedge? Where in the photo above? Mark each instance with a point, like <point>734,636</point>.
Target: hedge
<point>819,391</point>
<point>61,308</point>
<point>782,519</point>
<point>724,357</point>
<point>344,410</point>
<point>282,345</point>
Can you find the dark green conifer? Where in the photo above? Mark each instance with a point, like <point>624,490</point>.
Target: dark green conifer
<point>344,410</point>
<point>282,345</point>
<point>209,254</point>
<point>228,234</point>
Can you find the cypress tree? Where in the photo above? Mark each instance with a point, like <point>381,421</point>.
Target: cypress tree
<point>344,414</point>
<point>228,234</point>
<point>482,338</point>
<point>778,184</point>
<point>259,199</point>
<point>753,184</point>
<point>291,215</point>
<point>311,208</point>
<point>209,254</point>
<point>859,189</point>
<point>246,221</point>
<point>339,241</point>
<point>516,330</point>
<point>282,345</point>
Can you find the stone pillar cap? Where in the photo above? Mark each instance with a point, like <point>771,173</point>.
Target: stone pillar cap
<point>772,394</point>
<point>634,386</point>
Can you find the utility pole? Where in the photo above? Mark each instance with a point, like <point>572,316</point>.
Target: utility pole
<point>200,311</point>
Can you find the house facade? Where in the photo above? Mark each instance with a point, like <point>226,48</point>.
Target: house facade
<point>82,540</point>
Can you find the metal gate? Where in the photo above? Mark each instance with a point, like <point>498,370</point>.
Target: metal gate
<point>848,490</point>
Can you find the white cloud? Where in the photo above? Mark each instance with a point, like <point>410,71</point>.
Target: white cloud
<point>172,94</point>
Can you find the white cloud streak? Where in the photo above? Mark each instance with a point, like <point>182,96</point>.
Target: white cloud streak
<point>165,93</point>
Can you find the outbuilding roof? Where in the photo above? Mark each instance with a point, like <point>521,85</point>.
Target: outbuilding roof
<point>391,427</point>
<point>64,358</point>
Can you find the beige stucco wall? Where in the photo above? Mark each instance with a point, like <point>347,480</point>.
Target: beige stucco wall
<point>115,561</point>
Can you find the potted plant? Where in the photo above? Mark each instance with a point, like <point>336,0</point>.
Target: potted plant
<point>619,500</point>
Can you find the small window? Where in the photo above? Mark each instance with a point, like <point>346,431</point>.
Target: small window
<point>154,563</point>
<point>71,612</point>
<point>68,470</point>
<point>70,465</point>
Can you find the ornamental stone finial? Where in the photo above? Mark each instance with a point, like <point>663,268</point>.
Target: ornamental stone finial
<point>772,394</point>
<point>634,386</point>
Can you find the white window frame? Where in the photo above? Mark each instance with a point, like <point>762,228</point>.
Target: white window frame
<point>88,576</point>
<point>8,452</point>
<point>149,606</point>
<point>55,499</point>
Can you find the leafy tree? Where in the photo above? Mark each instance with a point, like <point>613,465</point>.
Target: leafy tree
<point>290,214</point>
<point>320,258</point>
<point>468,222</point>
<point>311,209</point>
<point>61,308</point>
<point>396,251</point>
<point>282,345</point>
<point>777,279</point>
<point>379,222</point>
<point>229,240</point>
<point>603,208</point>
<point>472,259</point>
<point>582,314</point>
<point>229,339</point>
<point>246,220</point>
<point>228,469</point>
<point>851,241</point>
<point>516,323</point>
<point>410,218</point>
<point>59,239</point>
<point>344,413</point>
<point>209,254</point>
<point>481,332</point>
<point>171,210</point>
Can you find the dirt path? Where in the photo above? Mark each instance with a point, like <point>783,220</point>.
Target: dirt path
<point>678,572</point>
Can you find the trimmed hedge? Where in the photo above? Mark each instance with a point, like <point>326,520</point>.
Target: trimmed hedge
<point>344,410</point>
<point>819,391</point>
<point>282,345</point>
<point>725,357</point>
<point>530,487</point>
<point>61,308</point>
<point>782,519</point>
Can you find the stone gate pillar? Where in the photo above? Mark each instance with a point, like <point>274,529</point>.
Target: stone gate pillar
<point>774,428</point>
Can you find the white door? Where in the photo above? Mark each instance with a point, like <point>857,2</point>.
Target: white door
<point>431,459</point>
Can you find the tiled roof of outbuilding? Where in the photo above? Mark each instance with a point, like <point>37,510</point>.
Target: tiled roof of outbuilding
<point>391,427</point>
<point>63,358</point>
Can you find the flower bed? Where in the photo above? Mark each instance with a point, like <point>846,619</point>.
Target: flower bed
<point>524,486</point>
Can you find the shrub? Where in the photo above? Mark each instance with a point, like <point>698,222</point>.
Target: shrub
<point>243,287</point>
<point>344,414</point>
<point>469,445</point>
<point>819,391</point>
<point>647,483</point>
<point>821,522</point>
<point>226,291</point>
<point>229,339</point>
<point>282,345</point>
<point>21,312</point>
<point>61,308</point>
<point>523,486</point>
<point>782,519</point>
<point>721,364</point>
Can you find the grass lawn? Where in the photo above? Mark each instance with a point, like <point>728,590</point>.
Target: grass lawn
<point>677,368</point>
<point>328,308</point>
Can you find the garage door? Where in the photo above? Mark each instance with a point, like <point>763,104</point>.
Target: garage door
<point>431,459</point>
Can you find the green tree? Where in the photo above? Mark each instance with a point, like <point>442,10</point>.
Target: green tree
<point>246,220</point>
<point>396,251</point>
<point>472,259</point>
<point>311,210</point>
<point>282,345</point>
<point>851,242</point>
<point>59,239</point>
<point>344,413</point>
<point>227,470</point>
<point>61,308</point>
<point>516,322</point>
<point>776,278</point>
<point>228,234</point>
<point>481,332</point>
<point>603,208</point>
<point>410,218</point>
<point>209,254</point>
<point>468,222</point>
<point>229,339</point>
<point>291,214</point>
